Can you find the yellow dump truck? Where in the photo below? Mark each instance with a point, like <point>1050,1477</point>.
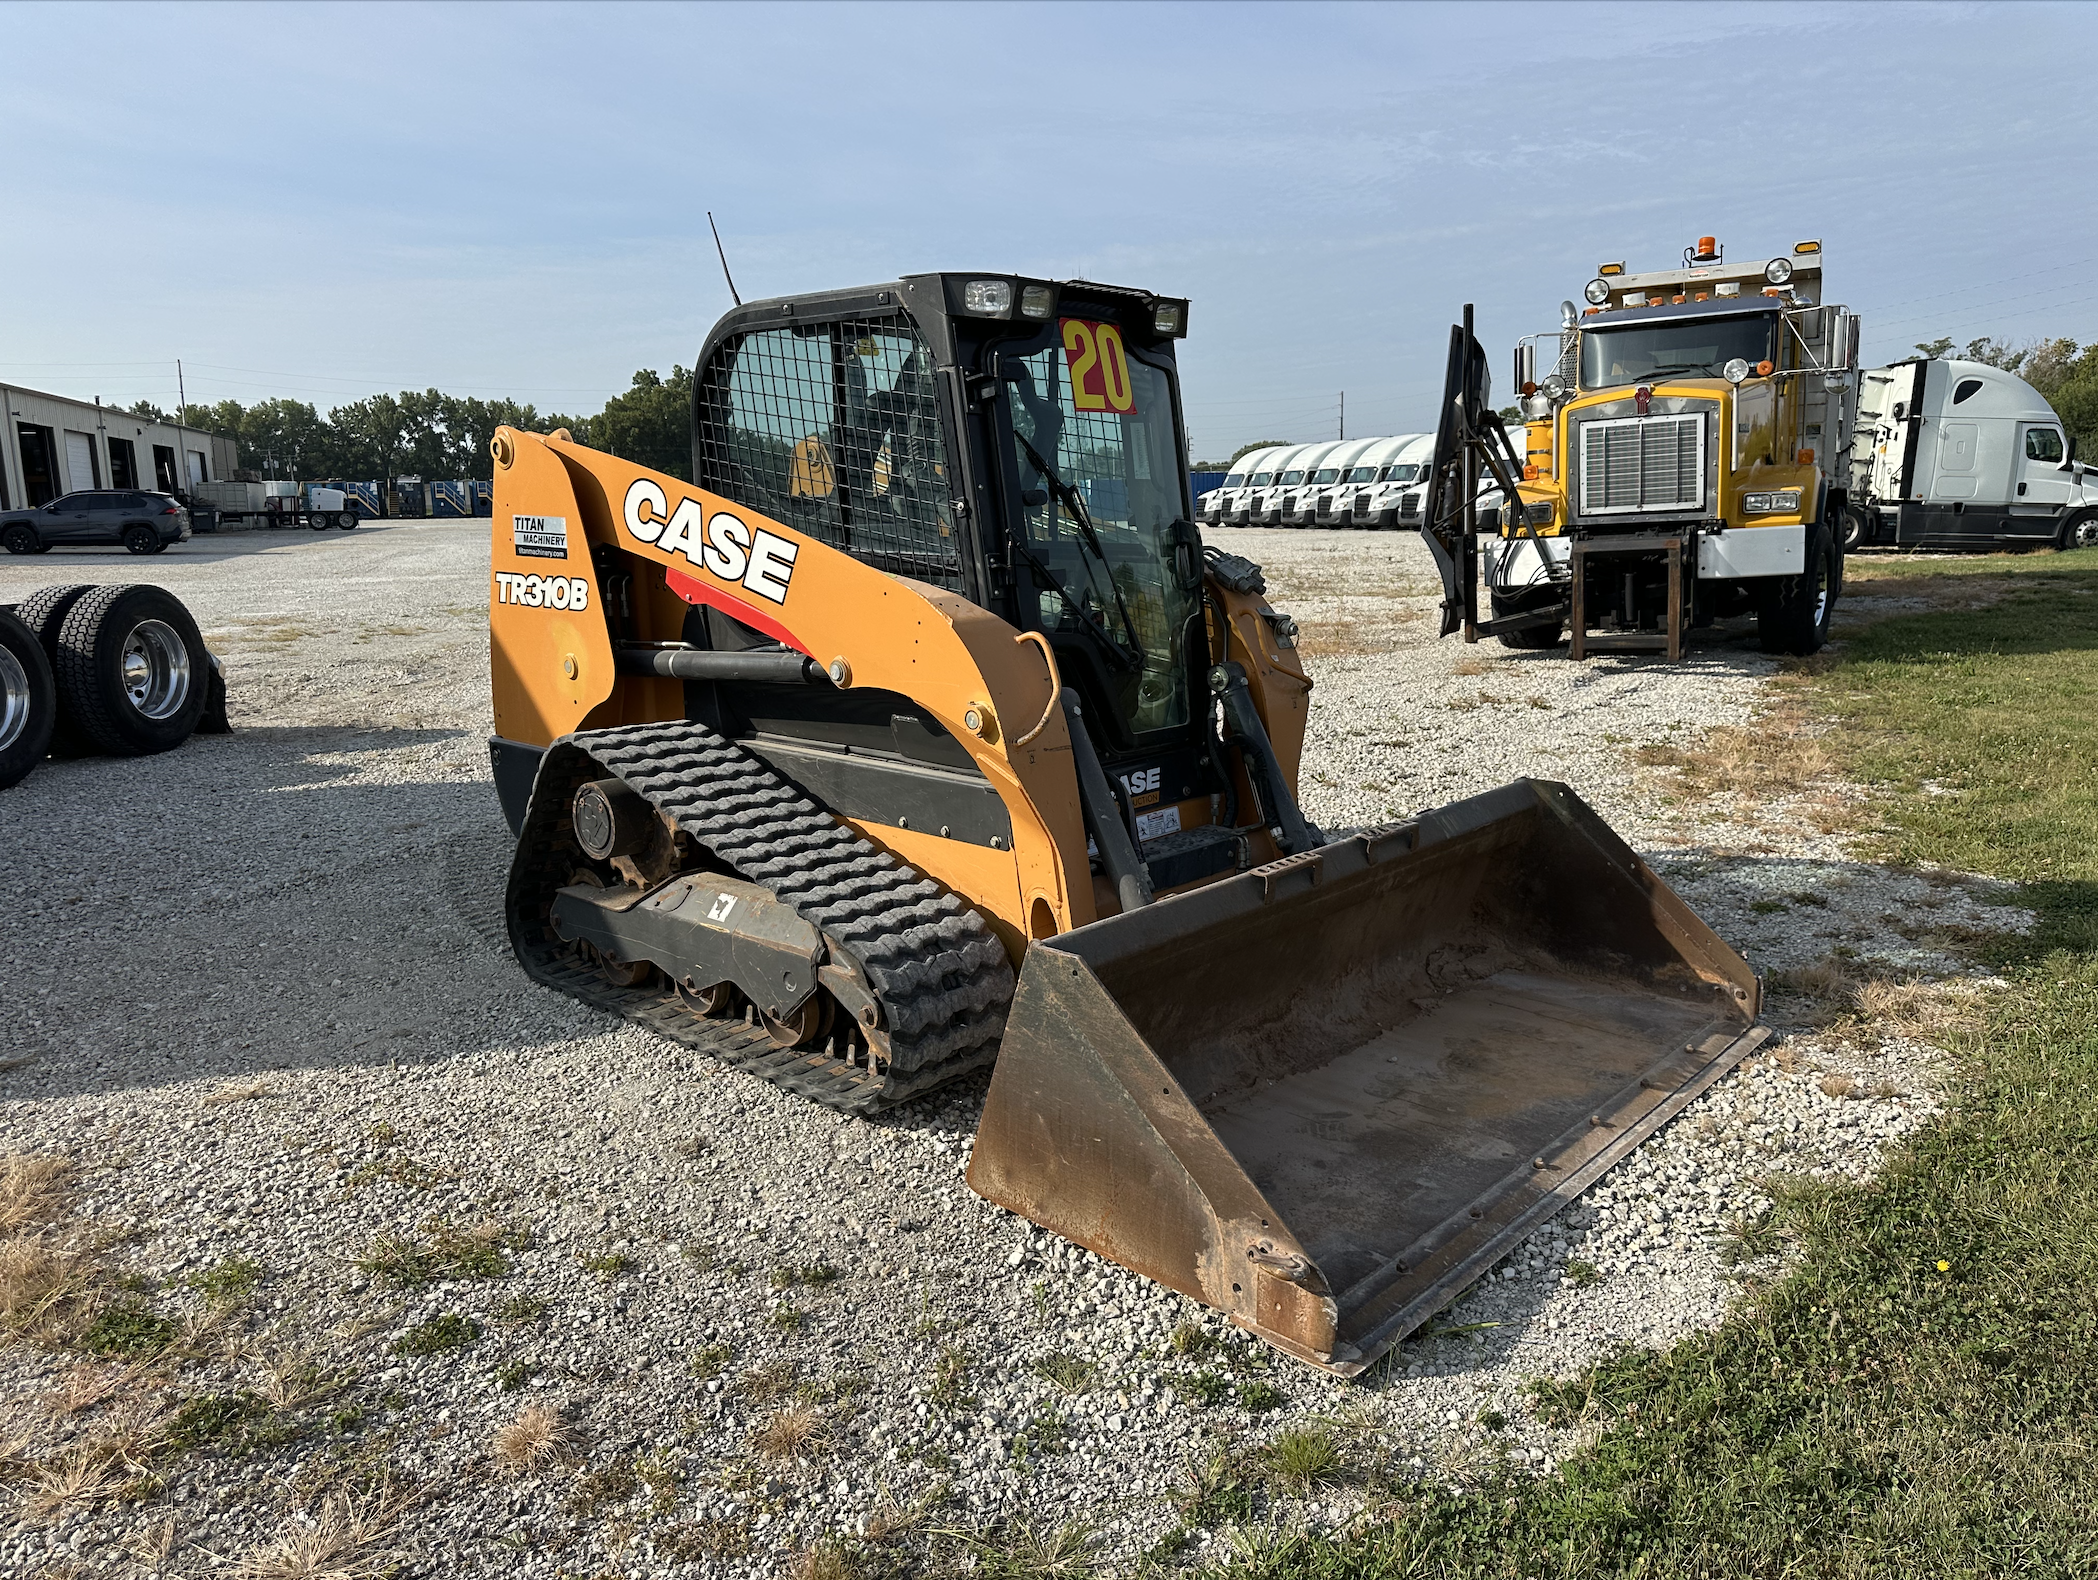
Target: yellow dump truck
<point>1689,437</point>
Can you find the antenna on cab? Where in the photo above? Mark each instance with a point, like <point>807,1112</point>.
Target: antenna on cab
<point>724,259</point>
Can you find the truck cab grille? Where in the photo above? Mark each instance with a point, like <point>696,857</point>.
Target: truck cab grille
<point>1632,465</point>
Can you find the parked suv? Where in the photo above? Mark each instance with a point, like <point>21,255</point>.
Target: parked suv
<point>143,523</point>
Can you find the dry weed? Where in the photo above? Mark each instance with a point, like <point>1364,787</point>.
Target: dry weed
<point>241,1092</point>
<point>83,1476</point>
<point>539,1436</point>
<point>151,1545</point>
<point>774,1380</point>
<point>86,1385</point>
<point>29,1190</point>
<point>1837,1086</point>
<point>1773,756</point>
<point>293,1379</point>
<point>1471,664</point>
<point>35,1280</point>
<point>1849,995</point>
<point>790,1434</point>
<point>343,1540</point>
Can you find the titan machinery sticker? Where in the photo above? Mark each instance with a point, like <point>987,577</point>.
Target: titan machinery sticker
<point>542,592</point>
<point>540,537</point>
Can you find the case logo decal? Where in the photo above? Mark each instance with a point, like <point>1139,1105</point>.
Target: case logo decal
<point>761,562</point>
<point>542,592</point>
<point>540,537</point>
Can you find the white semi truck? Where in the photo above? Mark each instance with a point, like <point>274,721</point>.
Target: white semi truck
<point>1960,455</point>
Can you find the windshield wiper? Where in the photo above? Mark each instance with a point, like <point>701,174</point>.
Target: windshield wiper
<point>1075,503</point>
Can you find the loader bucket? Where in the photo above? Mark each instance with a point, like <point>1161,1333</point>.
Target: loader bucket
<point>1327,1094</point>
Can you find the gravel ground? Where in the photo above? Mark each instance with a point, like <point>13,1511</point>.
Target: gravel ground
<point>391,1196</point>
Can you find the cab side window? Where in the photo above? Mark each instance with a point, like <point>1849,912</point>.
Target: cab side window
<point>2043,444</point>
<point>834,429</point>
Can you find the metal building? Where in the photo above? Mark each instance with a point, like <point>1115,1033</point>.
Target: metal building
<point>56,445</point>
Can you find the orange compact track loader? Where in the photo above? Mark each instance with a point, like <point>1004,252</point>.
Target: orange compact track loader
<point>922,731</point>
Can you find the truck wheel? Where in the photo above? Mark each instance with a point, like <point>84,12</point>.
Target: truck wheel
<point>132,669</point>
<point>2078,532</point>
<point>28,701</point>
<point>141,540</point>
<point>44,612</point>
<point>1795,610</point>
<point>349,521</point>
<point>22,539</point>
<point>1855,530</point>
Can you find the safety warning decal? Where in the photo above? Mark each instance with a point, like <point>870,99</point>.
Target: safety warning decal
<point>540,537</point>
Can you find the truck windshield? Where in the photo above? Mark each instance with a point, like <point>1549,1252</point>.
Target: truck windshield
<point>1690,347</point>
<point>1124,466</point>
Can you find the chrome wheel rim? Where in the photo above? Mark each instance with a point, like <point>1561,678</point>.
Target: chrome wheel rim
<point>2086,535</point>
<point>14,699</point>
<point>156,669</point>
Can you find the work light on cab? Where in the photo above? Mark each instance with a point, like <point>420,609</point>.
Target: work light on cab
<point>1169,318</point>
<point>1597,292</point>
<point>988,298</point>
<point>1736,370</point>
<point>1778,271</point>
<point>1036,301</point>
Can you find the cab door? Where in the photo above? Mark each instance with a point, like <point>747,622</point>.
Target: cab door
<point>2042,487</point>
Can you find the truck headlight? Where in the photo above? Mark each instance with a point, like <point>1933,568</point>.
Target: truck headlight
<point>1784,502</point>
<point>1778,271</point>
<point>1736,370</point>
<point>1597,292</point>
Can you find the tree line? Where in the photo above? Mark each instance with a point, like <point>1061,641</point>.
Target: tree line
<point>429,434</point>
<point>2065,373</point>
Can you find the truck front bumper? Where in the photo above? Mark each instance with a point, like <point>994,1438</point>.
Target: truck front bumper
<point>1729,554</point>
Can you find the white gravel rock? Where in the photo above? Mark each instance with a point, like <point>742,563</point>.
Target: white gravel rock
<point>258,992</point>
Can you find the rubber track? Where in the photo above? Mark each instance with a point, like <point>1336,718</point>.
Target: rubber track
<point>939,973</point>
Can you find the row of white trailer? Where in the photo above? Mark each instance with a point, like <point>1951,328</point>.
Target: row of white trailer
<point>1948,454</point>
<point>1369,483</point>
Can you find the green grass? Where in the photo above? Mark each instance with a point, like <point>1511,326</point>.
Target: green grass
<point>1919,1395</point>
<point>448,1331</point>
<point>129,1331</point>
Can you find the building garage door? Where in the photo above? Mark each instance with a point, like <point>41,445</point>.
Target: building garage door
<point>81,471</point>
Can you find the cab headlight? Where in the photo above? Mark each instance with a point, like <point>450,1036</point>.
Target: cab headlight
<point>1778,271</point>
<point>1736,370</point>
<point>991,298</point>
<point>1785,502</point>
<point>1597,292</point>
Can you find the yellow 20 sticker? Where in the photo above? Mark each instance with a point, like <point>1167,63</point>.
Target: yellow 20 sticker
<point>1099,367</point>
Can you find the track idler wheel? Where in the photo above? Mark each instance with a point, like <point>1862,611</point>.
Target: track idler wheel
<point>807,1025</point>
<point>713,1002</point>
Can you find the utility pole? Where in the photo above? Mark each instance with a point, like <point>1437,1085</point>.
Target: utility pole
<point>181,391</point>
<point>1343,414</point>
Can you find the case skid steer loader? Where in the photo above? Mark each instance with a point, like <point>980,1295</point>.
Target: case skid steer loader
<point>923,731</point>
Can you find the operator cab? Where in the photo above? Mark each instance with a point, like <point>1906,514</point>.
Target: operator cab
<point>1018,442</point>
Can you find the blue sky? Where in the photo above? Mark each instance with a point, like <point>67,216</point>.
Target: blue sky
<point>326,201</point>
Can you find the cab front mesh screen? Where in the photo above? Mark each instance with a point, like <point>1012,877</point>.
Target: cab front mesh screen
<point>834,429</point>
